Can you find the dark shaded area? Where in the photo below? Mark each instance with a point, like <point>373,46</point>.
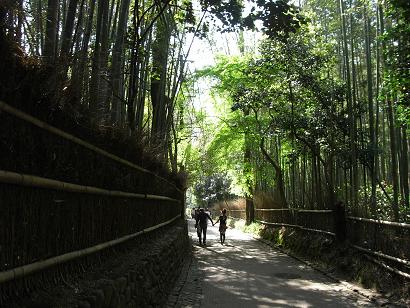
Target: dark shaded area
<point>28,85</point>
<point>320,220</point>
<point>389,239</point>
<point>36,224</point>
<point>339,259</point>
<point>138,273</point>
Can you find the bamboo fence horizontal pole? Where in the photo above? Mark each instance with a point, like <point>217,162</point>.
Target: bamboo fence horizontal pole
<point>296,210</point>
<point>382,255</point>
<point>25,270</point>
<point>381,222</point>
<point>314,211</point>
<point>14,178</point>
<point>34,121</point>
<point>296,226</point>
<point>155,197</point>
<point>237,210</point>
<point>277,224</point>
<point>272,210</point>
<point>391,269</point>
<point>318,231</point>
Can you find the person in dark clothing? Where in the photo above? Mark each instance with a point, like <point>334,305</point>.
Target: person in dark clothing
<point>196,224</point>
<point>222,225</point>
<point>202,224</point>
<point>196,213</point>
<point>340,221</point>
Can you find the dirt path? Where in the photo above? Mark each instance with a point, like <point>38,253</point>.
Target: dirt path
<point>247,273</point>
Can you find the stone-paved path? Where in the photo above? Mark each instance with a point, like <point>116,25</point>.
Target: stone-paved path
<point>247,273</point>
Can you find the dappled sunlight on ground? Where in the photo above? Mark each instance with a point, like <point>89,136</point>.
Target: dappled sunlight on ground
<point>247,273</point>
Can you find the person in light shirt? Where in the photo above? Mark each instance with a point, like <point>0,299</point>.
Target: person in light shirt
<point>222,225</point>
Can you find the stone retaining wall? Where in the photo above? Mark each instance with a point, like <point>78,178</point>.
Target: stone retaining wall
<point>141,276</point>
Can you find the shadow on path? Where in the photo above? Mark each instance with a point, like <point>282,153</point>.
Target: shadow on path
<point>247,273</point>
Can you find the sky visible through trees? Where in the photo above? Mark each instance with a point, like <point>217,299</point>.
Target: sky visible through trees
<point>310,98</point>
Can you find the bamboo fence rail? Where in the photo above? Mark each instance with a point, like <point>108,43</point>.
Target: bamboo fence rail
<point>296,210</point>
<point>40,182</point>
<point>382,255</point>
<point>368,252</point>
<point>34,121</point>
<point>25,270</point>
<point>272,210</point>
<point>381,222</point>
<point>296,226</point>
<point>313,211</point>
<point>389,268</point>
<point>59,252</point>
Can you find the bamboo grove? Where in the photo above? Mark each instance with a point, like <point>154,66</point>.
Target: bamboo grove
<point>319,114</point>
<point>322,117</point>
<point>122,61</point>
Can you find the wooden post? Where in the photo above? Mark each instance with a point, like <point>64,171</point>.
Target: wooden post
<point>340,221</point>
<point>250,210</point>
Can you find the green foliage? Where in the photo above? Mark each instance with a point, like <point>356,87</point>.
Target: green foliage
<point>397,54</point>
<point>383,206</point>
<point>279,18</point>
<point>294,96</point>
<point>254,228</point>
<point>282,94</point>
<point>236,223</point>
<point>212,188</point>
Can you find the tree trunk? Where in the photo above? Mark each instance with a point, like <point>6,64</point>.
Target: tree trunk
<point>393,143</point>
<point>67,39</point>
<point>404,174</point>
<point>20,22</point>
<point>39,25</point>
<point>159,98</point>
<point>142,92</point>
<point>394,165</point>
<point>278,174</point>
<point>118,64</point>
<point>99,65</point>
<point>351,118</point>
<point>51,32</point>
<point>372,145</point>
<point>80,75</point>
<point>68,29</point>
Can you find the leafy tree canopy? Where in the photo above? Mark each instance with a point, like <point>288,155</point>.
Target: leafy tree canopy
<point>278,18</point>
<point>212,188</point>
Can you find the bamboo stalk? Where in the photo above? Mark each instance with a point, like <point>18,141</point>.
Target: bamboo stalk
<point>34,121</point>
<point>381,222</point>
<point>14,178</point>
<point>25,270</point>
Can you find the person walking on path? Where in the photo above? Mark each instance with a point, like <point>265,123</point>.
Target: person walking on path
<point>222,225</point>
<point>202,224</point>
